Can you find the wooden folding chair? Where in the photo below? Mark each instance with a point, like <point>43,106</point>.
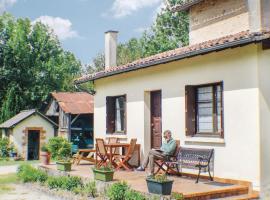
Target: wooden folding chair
<point>166,164</point>
<point>101,153</point>
<point>113,140</point>
<point>122,160</point>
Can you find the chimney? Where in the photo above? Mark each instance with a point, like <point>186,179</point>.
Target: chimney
<point>110,48</point>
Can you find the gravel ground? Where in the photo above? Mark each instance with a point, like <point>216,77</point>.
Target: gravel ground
<point>21,192</point>
<point>8,169</point>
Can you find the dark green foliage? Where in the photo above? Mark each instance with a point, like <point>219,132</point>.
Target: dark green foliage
<point>4,148</point>
<point>64,182</point>
<point>27,173</point>
<point>117,191</point>
<point>32,64</point>
<point>60,148</point>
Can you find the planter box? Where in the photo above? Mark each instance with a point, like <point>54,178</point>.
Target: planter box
<point>63,166</point>
<point>103,175</point>
<point>164,188</point>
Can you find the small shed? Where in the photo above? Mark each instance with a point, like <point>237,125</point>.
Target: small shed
<point>28,131</point>
<point>74,114</point>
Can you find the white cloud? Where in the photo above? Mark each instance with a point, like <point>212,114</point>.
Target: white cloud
<point>6,3</point>
<point>61,27</point>
<point>122,8</point>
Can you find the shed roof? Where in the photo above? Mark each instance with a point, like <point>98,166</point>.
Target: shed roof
<point>75,102</point>
<point>12,122</point>
<point>219,44</point>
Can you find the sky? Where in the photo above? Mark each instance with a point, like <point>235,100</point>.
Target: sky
<point>80,24</point>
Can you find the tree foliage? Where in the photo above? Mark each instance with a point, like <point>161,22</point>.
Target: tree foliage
<point>32,64</point>
<point>169,31</point>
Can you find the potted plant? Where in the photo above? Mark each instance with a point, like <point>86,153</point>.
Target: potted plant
<point>13,151</point>
<point>159,184</point>
<point>45,155</point>
<point>103,173</point>
<point>61,151</point>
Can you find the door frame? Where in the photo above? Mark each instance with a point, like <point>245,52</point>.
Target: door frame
<point>151,132</point>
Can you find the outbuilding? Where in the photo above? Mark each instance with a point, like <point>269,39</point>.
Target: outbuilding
<point>28,131</point>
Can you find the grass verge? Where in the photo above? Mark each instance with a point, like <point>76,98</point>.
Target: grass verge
<point>12,162</point>
<point>5,181</point>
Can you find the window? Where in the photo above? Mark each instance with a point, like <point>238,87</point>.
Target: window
<point>116,114</point>
<point>204,108</point>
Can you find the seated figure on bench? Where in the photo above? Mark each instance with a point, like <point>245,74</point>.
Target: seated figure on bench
<point>167,148</point>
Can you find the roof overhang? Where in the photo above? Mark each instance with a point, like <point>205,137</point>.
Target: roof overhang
<point>256,38</point>
<point>185,5</point>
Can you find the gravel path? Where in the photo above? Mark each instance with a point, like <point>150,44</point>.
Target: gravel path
<point>8,169</point>
<point>21,192</point>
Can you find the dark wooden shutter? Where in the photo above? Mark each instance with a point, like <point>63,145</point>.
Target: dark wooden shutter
<point>110,115</point>
<point>190,106</point>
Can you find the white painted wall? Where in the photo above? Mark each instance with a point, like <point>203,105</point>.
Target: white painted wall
<point>33,121</point>
<point>237,156</point>
<point>264,98</point>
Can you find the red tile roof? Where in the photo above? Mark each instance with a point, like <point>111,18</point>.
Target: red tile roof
<point>230,41</point>
<point>75,102</point>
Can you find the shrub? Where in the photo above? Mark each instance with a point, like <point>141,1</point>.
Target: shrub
<point>41,176</point>
<point>117,191</point>
<point>134,195</point>
<point>53,182</point>
<point>60,148</point>
<point>4,147</point>
<point>64,182</point>
<point>90,189</point>
<point>71,182</point>
<point>27,173</point>
<point>177,196</point>
<point>44,148</point>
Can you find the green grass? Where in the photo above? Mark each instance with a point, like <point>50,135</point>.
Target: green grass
<point>5,180</point>
<point>12,162</point>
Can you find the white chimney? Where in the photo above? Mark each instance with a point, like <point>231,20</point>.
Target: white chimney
<point>110,48</point>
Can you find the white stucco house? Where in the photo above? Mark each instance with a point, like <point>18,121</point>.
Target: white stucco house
<point>214,93</point>
<point>28,131</point>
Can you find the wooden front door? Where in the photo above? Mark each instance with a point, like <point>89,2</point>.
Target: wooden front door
<point>156,124</point>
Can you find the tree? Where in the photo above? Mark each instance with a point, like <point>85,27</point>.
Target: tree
<point>32,64</point>
<point>169,31</point>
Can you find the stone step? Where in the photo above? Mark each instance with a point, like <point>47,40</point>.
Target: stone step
<point>219,194</point>
<point>254,195</point>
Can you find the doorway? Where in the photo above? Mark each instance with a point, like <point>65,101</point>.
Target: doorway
<point>33,145</point>
<point>156,122</point>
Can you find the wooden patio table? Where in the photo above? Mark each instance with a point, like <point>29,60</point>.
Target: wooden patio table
<point>124,146</point>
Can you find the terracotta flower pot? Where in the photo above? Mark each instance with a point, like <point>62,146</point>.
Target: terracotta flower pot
<point>45,157</point>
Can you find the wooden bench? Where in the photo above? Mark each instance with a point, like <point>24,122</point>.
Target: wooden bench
<point>194,158</point>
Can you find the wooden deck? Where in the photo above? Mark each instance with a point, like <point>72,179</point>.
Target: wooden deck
<point>186,185</point>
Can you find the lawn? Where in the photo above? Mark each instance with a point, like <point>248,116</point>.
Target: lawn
<point>12,162</point>
<point>5,181</point>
